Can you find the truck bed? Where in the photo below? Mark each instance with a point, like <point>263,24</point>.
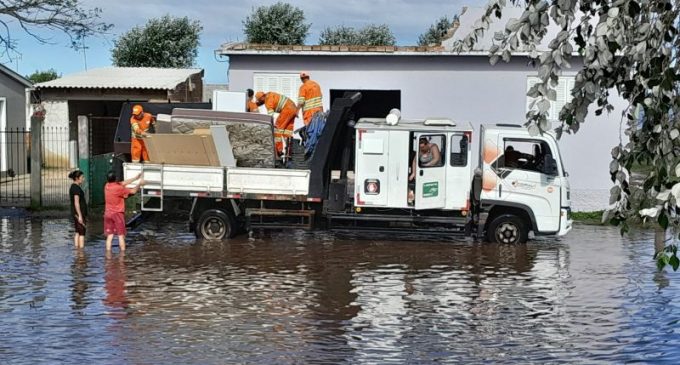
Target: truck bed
<point>181,180</point>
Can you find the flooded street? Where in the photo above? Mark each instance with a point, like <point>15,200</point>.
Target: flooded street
<point>297,297</point>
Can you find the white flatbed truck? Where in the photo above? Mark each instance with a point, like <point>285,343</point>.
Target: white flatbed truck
<point>519,185</point>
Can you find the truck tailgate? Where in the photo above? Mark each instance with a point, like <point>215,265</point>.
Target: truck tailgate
<point>267,181</point>
<point>179,178</point>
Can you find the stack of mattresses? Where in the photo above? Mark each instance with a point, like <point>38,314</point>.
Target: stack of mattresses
<point>250,135</point>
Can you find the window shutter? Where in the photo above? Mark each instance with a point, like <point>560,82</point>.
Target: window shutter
<point>563,95</point>
<point>285,84</point>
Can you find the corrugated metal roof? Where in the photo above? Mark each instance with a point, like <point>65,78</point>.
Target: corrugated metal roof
<point>123,78</point>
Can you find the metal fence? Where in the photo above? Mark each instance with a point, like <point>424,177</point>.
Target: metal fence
<point>15,165</point>
<point>59,157</point>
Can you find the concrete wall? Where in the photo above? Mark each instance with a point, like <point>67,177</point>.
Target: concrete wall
<point>56,134</point>
<point>458,87</point>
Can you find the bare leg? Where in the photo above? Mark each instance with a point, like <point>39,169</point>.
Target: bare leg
<point>81,241</point>
<point>109,238</point>
<point>76,240</point>
<point>121,242</point>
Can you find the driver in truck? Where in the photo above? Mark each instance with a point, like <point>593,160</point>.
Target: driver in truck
<point>428,156</point>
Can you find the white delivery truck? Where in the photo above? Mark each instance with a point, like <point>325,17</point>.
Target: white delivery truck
<point>416,176</point>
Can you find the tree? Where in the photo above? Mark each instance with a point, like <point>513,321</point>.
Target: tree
<point>370,35</point>
<point>43,76</point>
<point>628,47</point>
<point>280,23</point>
<point>437,31</point>
<point>167,42</point>
<point>340,35</point>
<point>66,16</point>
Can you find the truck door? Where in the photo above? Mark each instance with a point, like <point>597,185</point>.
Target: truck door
<point>430,169</point>
<point>523,179</point>
<point>371,185</point>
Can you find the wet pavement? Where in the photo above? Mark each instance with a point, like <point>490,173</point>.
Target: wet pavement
<point>296,297</point>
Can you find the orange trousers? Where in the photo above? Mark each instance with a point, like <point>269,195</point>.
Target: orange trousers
<point>283,127</point>
<point>139,150</point>
<point>308,114</point>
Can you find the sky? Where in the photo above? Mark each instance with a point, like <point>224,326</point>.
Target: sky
<point>222,22</point>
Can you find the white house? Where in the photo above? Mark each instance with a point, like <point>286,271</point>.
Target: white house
<point>434,81</point>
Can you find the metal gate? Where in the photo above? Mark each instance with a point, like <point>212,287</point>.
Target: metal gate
<point>15,165</point>
<point>59,157</point>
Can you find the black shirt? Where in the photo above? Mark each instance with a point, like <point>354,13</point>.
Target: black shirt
<point>76,190</point>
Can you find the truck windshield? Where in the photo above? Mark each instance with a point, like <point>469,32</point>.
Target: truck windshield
<point>524,154</point>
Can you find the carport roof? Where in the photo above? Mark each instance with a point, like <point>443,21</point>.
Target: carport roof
<point>123,78</point>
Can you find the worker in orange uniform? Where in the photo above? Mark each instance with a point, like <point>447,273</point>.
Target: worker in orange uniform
<point>140,123</point>
<point>277,103</point>
<point>309,98</point>
<point>251,106</point>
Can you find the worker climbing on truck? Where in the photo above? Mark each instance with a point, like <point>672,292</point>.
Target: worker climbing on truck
<point>283,127</point>
<point>140,124</point>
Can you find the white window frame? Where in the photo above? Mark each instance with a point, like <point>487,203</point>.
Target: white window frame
<point>563,89</point>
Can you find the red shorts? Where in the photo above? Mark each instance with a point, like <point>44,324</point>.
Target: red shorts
<point>114,223</point>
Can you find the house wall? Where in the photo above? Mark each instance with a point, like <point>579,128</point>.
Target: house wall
<point>460,88</point>
<point>13,147</point>
<point>186,93</point>
<point>15,94</point>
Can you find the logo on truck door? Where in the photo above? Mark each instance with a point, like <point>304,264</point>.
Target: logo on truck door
<point>431,189</point>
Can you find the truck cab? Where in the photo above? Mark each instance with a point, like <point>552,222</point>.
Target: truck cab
<point>425,168</point>
<point>524,185</point>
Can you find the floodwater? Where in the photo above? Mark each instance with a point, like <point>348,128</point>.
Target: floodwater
<point>296,297</point>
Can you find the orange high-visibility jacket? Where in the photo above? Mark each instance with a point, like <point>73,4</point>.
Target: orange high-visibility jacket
<point>139,126</point>
<point>309,96</point>
<point>275,103</point>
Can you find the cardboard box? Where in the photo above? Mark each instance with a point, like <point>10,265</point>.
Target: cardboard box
<point>182,149</point>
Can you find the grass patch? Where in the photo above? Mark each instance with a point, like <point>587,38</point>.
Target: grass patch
<point>592,218</point>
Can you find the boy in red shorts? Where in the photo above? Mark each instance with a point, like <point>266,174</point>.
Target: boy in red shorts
<point>115,194</point>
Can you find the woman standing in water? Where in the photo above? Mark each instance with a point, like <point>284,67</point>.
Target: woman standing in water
<point>115,193</point>
<point>78,207</point>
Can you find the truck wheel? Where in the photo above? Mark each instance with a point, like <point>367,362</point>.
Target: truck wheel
<point>507,229</point>
<point>215,224</point>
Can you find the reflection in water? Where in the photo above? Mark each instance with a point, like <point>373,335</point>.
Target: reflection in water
<point>80,285</point>
<point>114,285</point>
<point>295,297</point>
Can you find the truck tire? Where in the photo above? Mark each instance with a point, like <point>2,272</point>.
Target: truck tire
<point>215,224</point>
<point>507,229</point>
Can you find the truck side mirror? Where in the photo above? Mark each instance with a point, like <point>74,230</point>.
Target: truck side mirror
<point>549,165</point>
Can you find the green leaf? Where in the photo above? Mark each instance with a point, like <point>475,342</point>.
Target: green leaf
<point>674,262</point>
<point>660,262</point>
